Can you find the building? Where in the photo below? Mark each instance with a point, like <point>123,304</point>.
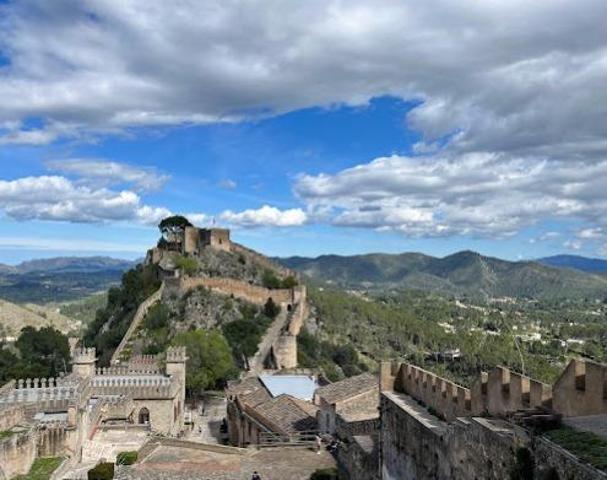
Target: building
<point>259,411</point>
<point>57,416</point>
<point>354,399</point>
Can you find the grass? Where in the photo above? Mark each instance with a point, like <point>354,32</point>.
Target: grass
<point>6,433</point>
<point>42,469</point>
<point>587,446</point>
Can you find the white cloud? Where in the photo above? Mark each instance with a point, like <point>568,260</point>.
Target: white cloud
<point>573,244</point>
<point>70,245</point>
<point>491,72</point>
<point>228,184</point>
<point>105,172</point>
<point>266,216</point>
<point>57,198</point>
<point>478,194</point>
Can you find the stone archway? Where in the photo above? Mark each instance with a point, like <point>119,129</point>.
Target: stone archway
<point>144,416</point>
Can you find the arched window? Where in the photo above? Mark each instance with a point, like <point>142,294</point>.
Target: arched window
<point>144,416</point>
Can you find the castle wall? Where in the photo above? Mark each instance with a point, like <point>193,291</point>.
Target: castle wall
<point>581,390</point>
<point>17,454</point>
<point>550,459</point>
<point>191,240</point>
<point>416,445</point>
<point>230,286</point>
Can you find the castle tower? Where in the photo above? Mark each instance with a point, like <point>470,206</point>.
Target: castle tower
<point>176,368</point>
<point>83,362</point>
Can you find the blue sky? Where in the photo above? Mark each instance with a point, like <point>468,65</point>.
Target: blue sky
<point>321,129</point>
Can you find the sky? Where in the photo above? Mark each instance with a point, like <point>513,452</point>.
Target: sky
<point>307,128</point>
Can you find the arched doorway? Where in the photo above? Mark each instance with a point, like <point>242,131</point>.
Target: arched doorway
<point>144,416</point>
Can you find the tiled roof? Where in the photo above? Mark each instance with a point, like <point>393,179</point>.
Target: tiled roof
<point>348,388</point>
<point>250,391</point>
<point>287,414</point>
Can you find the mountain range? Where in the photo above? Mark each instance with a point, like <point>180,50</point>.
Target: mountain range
<point>585,264</point>
<point>463,273</point>
<point>67,264</point>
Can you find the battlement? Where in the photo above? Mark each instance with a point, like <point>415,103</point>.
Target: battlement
<point>581,389</point>
<point>503,391</point>
<point>84,355</point>
<point>176,355</point>
<point>447,398</point>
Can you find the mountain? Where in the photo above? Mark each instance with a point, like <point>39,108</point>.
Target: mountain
<point>73,264</point>
<point>585,264</point>
<point>14,317</point>
<point>464,272</point>
<point>60,279</point>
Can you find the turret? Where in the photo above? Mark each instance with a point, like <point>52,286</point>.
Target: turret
<point>83,362</point>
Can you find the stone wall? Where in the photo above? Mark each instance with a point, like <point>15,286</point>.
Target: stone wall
<point>230,286</point>
<point>285,351</point>
<point>358,458</point>
<point>581,390</point>
<point>550,459</point>
<point>10,416</point>
<point>416,445</point>
<point>17,454</point>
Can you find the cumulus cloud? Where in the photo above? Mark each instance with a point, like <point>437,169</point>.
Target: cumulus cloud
<point>57,198</point>
<point>482,194</point>
<point>265,216</point>
<point>107,172</point>
<point>488,75</point>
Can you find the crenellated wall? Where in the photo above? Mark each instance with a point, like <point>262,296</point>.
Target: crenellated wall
<point>581,390</point>
<point>499,392</point>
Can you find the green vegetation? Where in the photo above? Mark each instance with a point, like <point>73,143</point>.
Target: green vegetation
<point>270,280</point>
<point>126,458</point>
<point>36,354</point>
<point>463,273</point>
<point>102,471</point>
<point>42,468</point>
<point>324,474</point>
<point>210,363</point>
<point>244,335</point>
<point>84,309</point>
<point>6,434</point>
<point>585,445</point>
<point>188,265</point>
<point>112,322</point>
<point>172,226</point>
<point>413,325</point>
<point>336,361</point>
<point>271,309</point>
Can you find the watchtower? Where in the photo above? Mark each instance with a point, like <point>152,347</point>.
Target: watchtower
<point>83,362</point>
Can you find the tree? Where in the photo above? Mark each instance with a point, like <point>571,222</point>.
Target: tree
<point>44,352</point>
<point>171,227</point>
<point>271,309</point>
<point>210,363</point>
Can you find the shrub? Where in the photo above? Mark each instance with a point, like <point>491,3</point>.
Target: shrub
<point>102,471</point>
<point>324,474</point>
<point>271,309</point>
<point>188,265</point>
<point>270,280</point>
<point>157,317</point>
<point>289,282</point>
<point>126,458</point>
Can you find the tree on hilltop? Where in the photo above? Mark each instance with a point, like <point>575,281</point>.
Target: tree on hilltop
<point>171,227</point>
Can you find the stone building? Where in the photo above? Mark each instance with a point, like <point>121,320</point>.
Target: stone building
<point>257,414</point>
<point>354,399</point>
<point>431,428</point>
<point>57,416</point>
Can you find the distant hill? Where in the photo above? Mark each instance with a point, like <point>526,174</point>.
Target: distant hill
<point>14,317</point>
<point>60,279</point>
<point>464,272</point>
<point>577,262</point>
<point>73,264</point>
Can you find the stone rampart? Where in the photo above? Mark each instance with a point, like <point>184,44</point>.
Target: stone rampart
<point>142,311</point>
<point>10,416</point>
<point>448,399</point>
<point>17,453</point>
<point>581,389</point>
<point>230,286</point>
